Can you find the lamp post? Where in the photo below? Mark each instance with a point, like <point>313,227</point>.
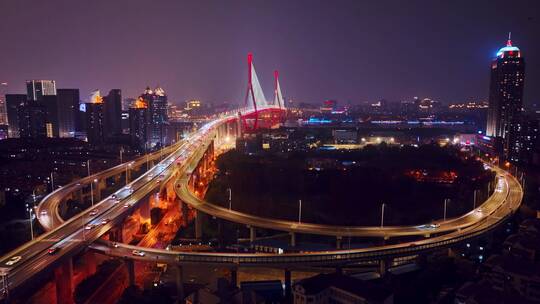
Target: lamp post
<point>382,214</point>
<point>299,211</point>
<point>445,203</point>
<point>52,181</point>
<point>121,151</point>
<point>92,190</point>
<point>474,199</point>
<point>127,172</point>
<point>230,198</point>
<point>31,224</point>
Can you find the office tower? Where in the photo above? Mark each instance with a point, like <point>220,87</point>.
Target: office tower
<point>51,119</point>
<point>94,119</point>
<point>36,89</point>
<point>32,120</point>
<point>138,124</point>
<point>112,107</point>
<point>68,111</point>
<point>506,100</point>
<point>158,118</point>
<point>13,101</point>
<point>3,109</point>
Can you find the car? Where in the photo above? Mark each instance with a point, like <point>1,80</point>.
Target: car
<point>126,205</point>
<point>53,250</point>
<point>115,245</point>
<point>94,212</point>
<point>150,175</point>
<point>13,260</point>
<point>105,221</point>
<point>138,253</point>
<point>430,226</point>
<point>479,210</point>
<point>89,226</point>
<point>114,196</point>
<point>43,212</point>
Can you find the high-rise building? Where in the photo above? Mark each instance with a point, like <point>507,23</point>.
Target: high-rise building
<point>13,102</point>
<point>32,120</point>
<point>112,107</point>
<point>506,100</point>
<point>3,109</point>
<point>158,118</point>
<point>94,119</point>
<point>36,89</point>
<point>138,124</point>
<point>51,105</point>
<point>68,109</point>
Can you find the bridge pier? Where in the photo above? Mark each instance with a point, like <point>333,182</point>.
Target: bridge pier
<point>383,266</point>
<point>293,239</point>
<point>198,225</point>
<point>180,294</point>
<point>338,241</point>
<point>252,234</point>
<point>234,277</point>
<point>130,264</point>
<point>63,275</point>
<point>288,285</point>
<point>115,235</point>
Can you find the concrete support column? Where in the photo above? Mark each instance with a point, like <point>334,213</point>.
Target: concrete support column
<point>252,234</point>
<point>115,235</point>
<point>98,186</point>
<point>198,225</point>
<point>64,285</point>
<point>293,239</point>
<point>144,208</point>
<point>90,262</point>
<point>338,242</point>
<point>383,266</point>
<point>288,285</point>
<point>130,264</point>
<point>180,284</point>
<point>234,277</point>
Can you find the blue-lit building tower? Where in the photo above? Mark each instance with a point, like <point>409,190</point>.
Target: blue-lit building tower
<point>506,101</point>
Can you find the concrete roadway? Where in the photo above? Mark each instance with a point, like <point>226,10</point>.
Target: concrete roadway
<point>510,204</point>
<point>468,219</point>
<point>50,204</point>
<point>70,236</point>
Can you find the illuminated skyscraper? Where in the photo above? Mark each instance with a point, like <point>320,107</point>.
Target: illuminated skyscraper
<point>138,124</point>
<point>94,119</point>
<point>36,89</point>
<point>157,111</point>
<point>506,100</point>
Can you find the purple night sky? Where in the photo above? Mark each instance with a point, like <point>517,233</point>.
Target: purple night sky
<point>346,50</point>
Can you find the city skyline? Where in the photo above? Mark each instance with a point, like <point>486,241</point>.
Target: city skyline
<point>318,59</point>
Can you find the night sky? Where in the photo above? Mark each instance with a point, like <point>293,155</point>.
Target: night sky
<point>346,50</point>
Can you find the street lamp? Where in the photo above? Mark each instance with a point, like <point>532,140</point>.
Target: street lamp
<point>299,211</point>
<point>445,203</point>
<point>92,190</point>
<point>121,151</point>
<point>230,198</point>
<point>382,214</point>
<point>474,199</point>
<point>31,224</point>
<point>52,181</point>
<point>127,168</point>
